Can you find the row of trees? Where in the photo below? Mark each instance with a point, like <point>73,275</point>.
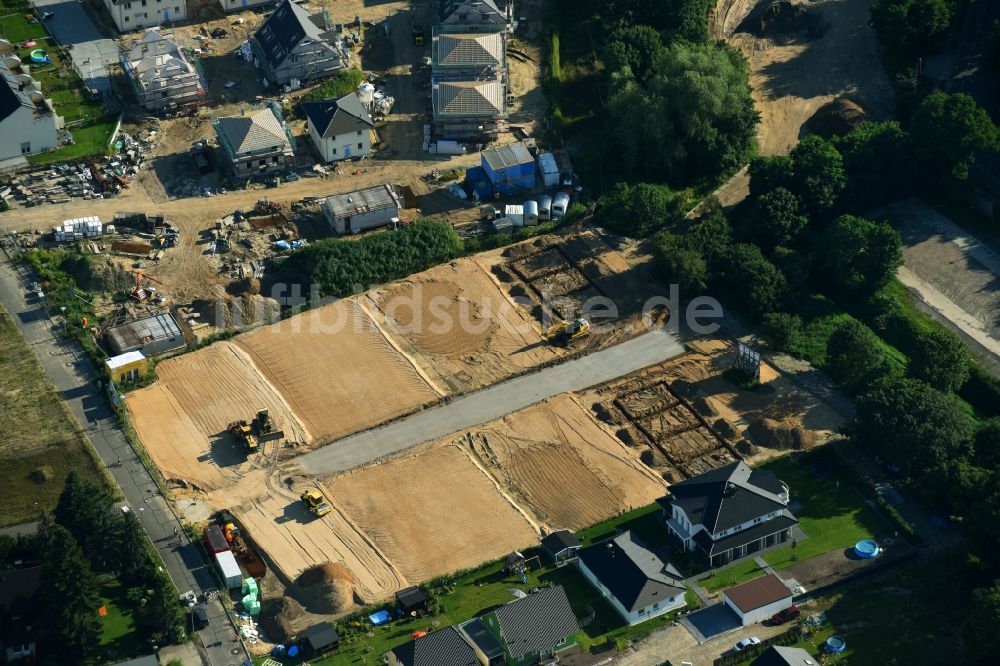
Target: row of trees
<point>84,542</point>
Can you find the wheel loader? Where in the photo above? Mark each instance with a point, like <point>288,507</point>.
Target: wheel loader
<point>244,435</point>
<point>564,333</point>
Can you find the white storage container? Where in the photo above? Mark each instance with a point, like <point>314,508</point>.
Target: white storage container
<point>226,563</point>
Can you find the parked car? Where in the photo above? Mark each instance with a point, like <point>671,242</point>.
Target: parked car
<point>200,617</point>
<point>745,643</point>
<point>786,615</point>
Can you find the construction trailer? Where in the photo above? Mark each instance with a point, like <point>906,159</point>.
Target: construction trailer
<point>229,569</point>
<point>151,335</point>
<point>215,540</point>
<point>510,168</point>
<point>128,366</point>
<point>362,210</point>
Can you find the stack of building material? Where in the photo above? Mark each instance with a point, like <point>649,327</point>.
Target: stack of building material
<point>78,228</point>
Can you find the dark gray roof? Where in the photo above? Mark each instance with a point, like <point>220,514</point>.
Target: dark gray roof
<point>331,117</point>
<point>536,623</point>
<point>727,496</point>
<point>633,573</point>
<point>779,655</point>
<point>245,134</point>
<point>445,647</point>
<point>411,596</point>
<point>712,547</point>
<point>483,638</point>
<point>11,96</point>
<point>19,584</point>
<point>283,30</point>
<point>559,541</point>
<point>321,636</point>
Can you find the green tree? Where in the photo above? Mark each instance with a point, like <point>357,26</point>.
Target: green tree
<point>854,356</point>
<point>909,28</point>
<point>635,48</point>
<point>782,330</point>
<point>751,282</point>
<point>85,509</point>
<point>818,175</point>
<point>130,547</point>
<point>693,119</point>
<point>774,219</point>
<point>948,132</point>
<point>878,161</point>
<point>983,623</point>
<point>712,236</point>
<point>987,444</point>
<point>796,266</point>
<point>914,425</point>
<point>640,209</point>
<point>768,173</point>
<point>677,262</point>
<point>942,359</point>
<point>858,256</point>
<point>69,598</point>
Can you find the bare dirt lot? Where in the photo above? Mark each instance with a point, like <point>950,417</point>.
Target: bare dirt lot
<point>433,512</point>
<point>563,465</point>
<point>182,418</point>
<point>337,370</point>
<point>794,74</point>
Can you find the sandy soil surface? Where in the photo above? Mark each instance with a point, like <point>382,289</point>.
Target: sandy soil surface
<point>294,540</point>
<point>540,452</point>
<point>182,418</point>
<point>433,512</point>
<point>456,321</point>
<point>337,370</point>
<point>791,81</point>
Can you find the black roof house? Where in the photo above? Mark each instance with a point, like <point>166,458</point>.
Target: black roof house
<point>412,599</point>
<point>282,32</point>
<point>560,544</point>
<point>778,655</point>
<point>445,647</point>
<point>330,117</point>
<point>631,572</point>
<point>729,507</point>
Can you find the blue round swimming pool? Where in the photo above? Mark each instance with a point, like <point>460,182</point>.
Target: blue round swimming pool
<point>867,549</point>
<point>835,644</point>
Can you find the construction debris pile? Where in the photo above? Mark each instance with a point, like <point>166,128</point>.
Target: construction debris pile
<point>62,182</point>
<point>247,238</point>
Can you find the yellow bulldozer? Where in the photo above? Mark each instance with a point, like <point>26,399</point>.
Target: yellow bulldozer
<point>244,435</point>
<point>315,502</point>
<point>564,333</point>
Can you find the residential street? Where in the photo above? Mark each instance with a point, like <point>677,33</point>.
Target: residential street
<point>75,378</point>
<point>492,402</point>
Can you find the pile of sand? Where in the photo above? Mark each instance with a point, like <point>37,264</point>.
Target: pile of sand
<point>278,618</point>
<point>836,118</point>
<point>783,22</point>
<point>787,434</point>
<point>325,588</point>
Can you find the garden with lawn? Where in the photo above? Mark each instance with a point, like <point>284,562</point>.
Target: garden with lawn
<point>119,639</point>
<point>85,118</point>
<point>831,512</point>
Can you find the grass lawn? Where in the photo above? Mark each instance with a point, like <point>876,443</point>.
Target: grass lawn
<point>90,140</point>
<point>831,513</point>
<point>644,521</point>
<point>118,636</point>
<point>41,442</point>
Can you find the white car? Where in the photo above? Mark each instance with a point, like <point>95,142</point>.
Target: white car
<point>745,643</point>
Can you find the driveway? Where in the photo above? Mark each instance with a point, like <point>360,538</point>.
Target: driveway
<point>90,50</point>
<point>492,403</point>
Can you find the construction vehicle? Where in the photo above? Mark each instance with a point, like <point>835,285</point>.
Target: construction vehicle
<point>241,545</point>
<point>417,31</point>
<point>140,293</point>
<point>316,503</point>
<point>244,435</point>
<point>265,428</point>
<point>564,333</point>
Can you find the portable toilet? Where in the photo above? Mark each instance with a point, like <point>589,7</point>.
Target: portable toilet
<point>544,207</point>
<point>530,213</point>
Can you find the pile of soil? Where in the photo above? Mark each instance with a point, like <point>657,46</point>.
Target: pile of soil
<point>278,618</point>
<point>325,588</point>
<point>782,435</point>
<point>784,22</point>
<point>836,118</point>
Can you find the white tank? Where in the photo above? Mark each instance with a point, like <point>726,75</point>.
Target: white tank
<point>366,93</point>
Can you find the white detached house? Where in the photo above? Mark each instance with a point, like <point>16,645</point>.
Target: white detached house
<point>729,513</point>
<point>341,128</point>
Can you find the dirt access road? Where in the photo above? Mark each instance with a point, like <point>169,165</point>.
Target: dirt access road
<point>792,75</point>
<point>491,403</point>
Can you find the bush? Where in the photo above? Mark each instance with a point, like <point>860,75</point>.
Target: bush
<point>343,82</point>
<point>941,360</point>
<point>854,355</point>
<point>982,391</point>
<point>639,210</point>
<point>781,330</point>
<point>338,266</point>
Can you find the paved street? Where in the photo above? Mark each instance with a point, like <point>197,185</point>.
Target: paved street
<point>492,403</point>
<point>75,378</point>
<point>91,51</point>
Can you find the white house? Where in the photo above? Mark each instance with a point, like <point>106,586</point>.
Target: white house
<point>758,599</point>
<point>341,128</point>
<point>637,583</point>
<point>160,73</point>
<point>362,210</point>
<point>28,121</point>
<point>729,513</point>
<point>134,14</point>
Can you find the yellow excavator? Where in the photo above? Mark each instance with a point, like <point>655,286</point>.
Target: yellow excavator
<point>244,435</point>
<point>315,502</point>
<point>564,333</point>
